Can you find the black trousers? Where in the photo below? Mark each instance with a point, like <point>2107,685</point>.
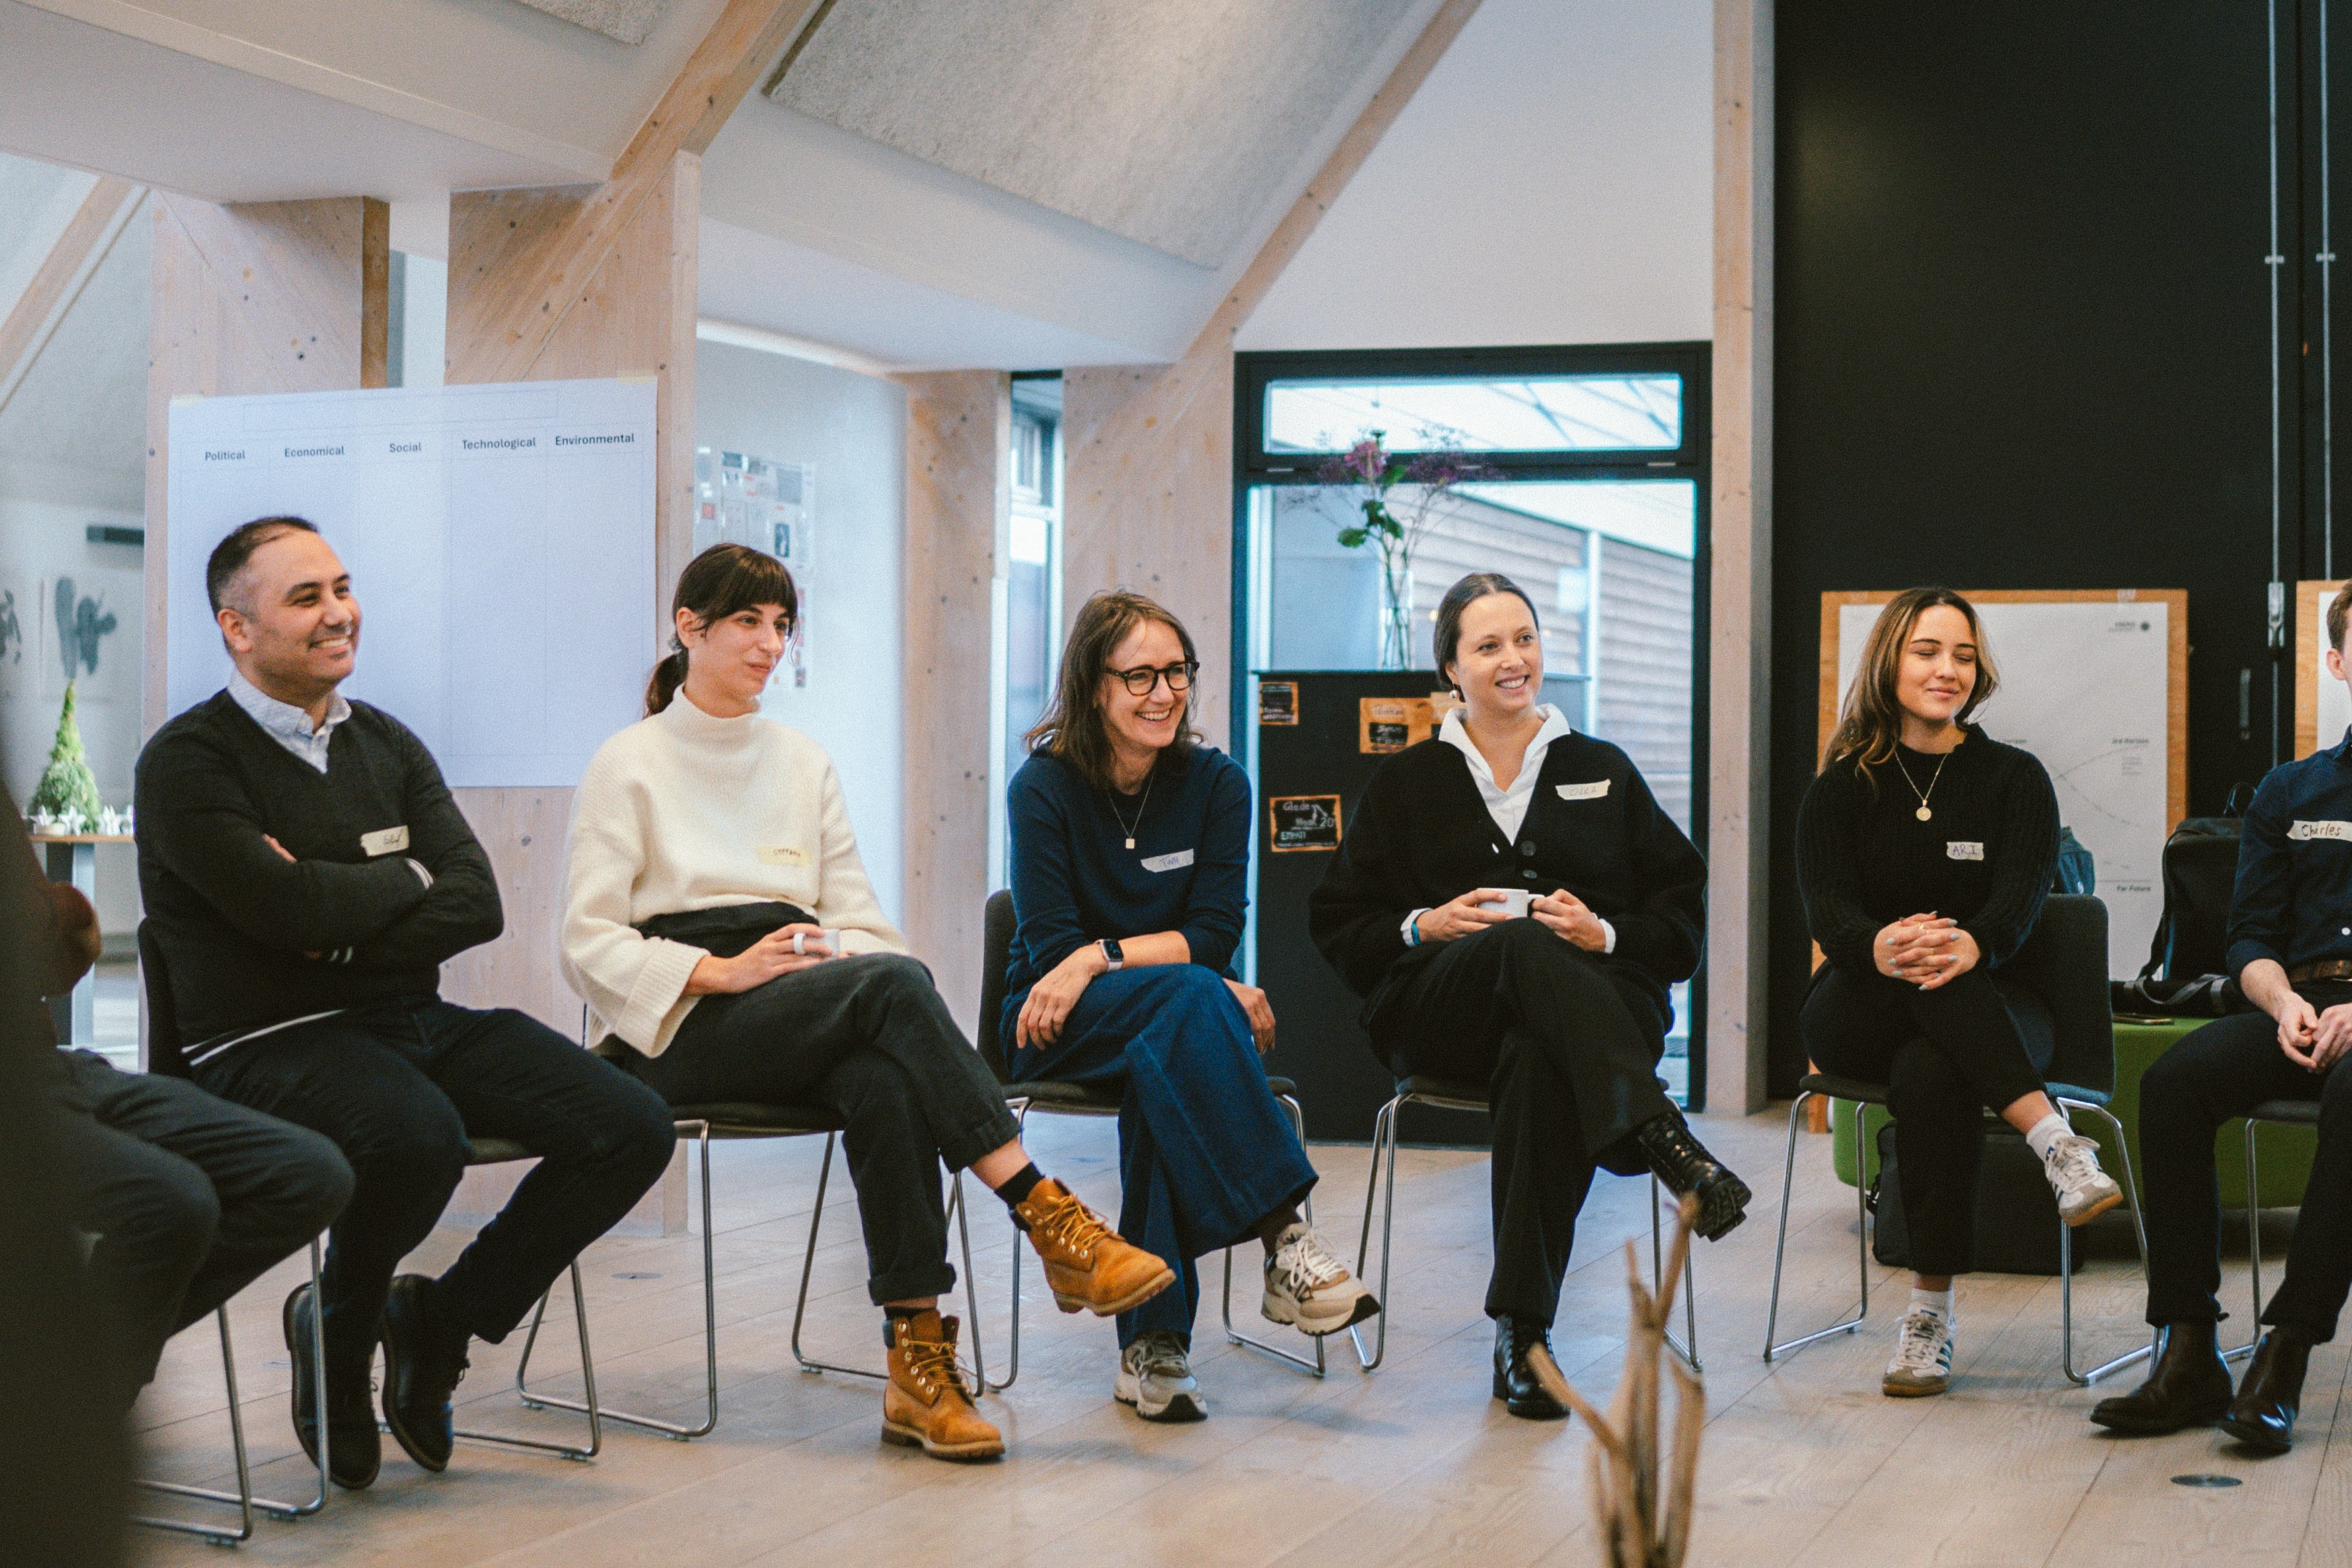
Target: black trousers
<point>400,1089</point>
<point>869,1037</point>
<point>190,1198</point>
<point>2219,1073</point>
<point>1980,1042</point>
<point>1568,1045</point>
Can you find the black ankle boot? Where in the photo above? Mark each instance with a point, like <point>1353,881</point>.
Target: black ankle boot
<point>2186,1386</point>
<point>1518,1343</point>
<point>1685,1166</point>
<point>354,1452</point>
<point>2262,1415</point>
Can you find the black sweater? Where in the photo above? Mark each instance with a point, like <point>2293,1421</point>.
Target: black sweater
<point>237,921</point>
<point>1985,858</point>
<point>1421,836</point>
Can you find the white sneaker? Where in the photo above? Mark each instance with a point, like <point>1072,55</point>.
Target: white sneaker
<point>1922,1357</point>
<point>1155,1377</point>
<point>1306,1285</point>
<point>2085,1191</point>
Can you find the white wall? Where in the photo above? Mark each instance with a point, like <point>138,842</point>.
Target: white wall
<point>1552,181</point>
<point>852,429</point>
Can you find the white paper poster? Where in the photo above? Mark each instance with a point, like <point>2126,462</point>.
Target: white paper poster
<point>501,542</point>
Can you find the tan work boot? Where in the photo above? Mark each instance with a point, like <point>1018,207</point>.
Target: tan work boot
<point>1087,1263</point>
<point>926,1405</point>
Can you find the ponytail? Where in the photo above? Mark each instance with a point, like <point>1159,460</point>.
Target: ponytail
<point>714,584</point>
<point>668,675</point>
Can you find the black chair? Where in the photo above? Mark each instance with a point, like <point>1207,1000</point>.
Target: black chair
<point>2276,1114</point>
<point>163,1044</point>
<point>2064,962</point>
<point>1078,1100</point>
<point>1459,1094</point>
<point>728,1121</point>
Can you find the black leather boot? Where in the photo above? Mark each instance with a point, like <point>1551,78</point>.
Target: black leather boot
<point>2186,1386</point>
<point>2262,1415</point>
<point>1518,1343</point>
<point>1685,1166</point>
<point>354,1451</point>
<point>424,1361</point>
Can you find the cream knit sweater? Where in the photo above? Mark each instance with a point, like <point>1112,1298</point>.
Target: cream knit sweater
<point>686,811</point>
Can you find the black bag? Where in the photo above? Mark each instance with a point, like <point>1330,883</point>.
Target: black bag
<point>2017,1214</point>
<point>2200,869</point>
<point>727,931</point>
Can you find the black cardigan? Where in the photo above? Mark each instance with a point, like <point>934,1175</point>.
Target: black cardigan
<point>1421,836</point>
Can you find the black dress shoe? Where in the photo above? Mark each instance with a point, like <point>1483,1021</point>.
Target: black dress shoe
<point>354,1451</point>
<point>1683,1163</point>
<point>424,1362</point>
<point>1517,1345</point>
<point>2186,1386</point>
<point>2262,1415</point>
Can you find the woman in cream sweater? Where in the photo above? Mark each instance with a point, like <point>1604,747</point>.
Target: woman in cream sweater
<point>719,923</point>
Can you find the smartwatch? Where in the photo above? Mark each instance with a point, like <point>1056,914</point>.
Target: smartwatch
<point>1112,957</point>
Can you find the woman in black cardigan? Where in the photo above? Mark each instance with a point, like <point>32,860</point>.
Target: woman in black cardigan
<point>1924,849</point>
<point>1562,1013</point>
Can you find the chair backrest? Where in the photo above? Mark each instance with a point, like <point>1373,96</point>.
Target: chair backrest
<point>2064,962</point>
<point>997,958</point>
<point>162,1022</point>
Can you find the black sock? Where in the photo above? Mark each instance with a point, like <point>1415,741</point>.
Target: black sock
<point>1020,1185</point>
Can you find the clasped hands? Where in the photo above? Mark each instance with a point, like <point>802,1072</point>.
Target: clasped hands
<point>2310,1038</point>
<point>1566,915</point>
<point>1928,950</point>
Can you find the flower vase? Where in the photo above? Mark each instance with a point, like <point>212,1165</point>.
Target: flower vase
<point>1396,619</point>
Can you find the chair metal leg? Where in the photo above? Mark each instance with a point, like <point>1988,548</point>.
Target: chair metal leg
<point>1781,1246</point>
<point>2067,1263</point>
<point>1384,1136</point>
<point>808,1267</point>
<point>701,1134</point>
<point>2253,1246</point>
<point>243,1496</point>
<point>1020,1109</point>
<point>1317,1365</point>
<point>1687,1346</point>
<point>588,1382</point>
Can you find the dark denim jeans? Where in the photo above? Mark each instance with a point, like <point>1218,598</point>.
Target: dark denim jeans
<point>400,1088</point>
<point>1205,1151</point>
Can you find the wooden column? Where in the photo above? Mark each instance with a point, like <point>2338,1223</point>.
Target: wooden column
<point>959,510</point>
<point>1739,662</point>
<point>268,296</point>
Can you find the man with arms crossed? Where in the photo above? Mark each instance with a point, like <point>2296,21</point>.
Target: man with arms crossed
<point>2291,948</point>
<point>306,873</point>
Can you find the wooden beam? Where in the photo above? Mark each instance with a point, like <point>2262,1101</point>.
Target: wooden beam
<point>530,297</point>
<point>89,235</point>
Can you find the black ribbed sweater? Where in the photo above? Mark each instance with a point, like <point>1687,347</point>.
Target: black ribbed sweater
<point>1985,858</point>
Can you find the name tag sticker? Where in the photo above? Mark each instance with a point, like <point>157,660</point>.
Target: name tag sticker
<point>782,854</point>
<point>2339,830</point>
<point>1961,849</point>
<point>1178,861</point>
<point>1593,791</point>
<point>386,841</point>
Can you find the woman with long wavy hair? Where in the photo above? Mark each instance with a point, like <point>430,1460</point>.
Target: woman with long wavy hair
<point>719,923</point>
<point>1131,871</point>
<point>1924,849</point>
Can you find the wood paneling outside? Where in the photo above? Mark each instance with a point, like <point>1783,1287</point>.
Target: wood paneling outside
<point>1645,690</point>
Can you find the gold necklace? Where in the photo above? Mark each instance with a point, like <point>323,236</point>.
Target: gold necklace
<point>1923,814</point>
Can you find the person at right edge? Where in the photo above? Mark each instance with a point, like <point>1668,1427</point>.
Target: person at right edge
<point>2290,939</point>
<point>1924,848</point>
<point>1563,1012</point>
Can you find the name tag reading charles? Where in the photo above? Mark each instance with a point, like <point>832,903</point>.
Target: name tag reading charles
<point>1175,862</point>
<point>1593,791</point>
<point>2338,831</point>
<point>1961,849</point>
<point>386,841</point>
<point>782,854</point>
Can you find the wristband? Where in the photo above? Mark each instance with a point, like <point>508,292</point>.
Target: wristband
<point>1411,928</point>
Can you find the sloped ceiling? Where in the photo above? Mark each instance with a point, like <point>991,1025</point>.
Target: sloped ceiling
<point>78,419</point>
<point>626,20</point>
<point>1164,121</point>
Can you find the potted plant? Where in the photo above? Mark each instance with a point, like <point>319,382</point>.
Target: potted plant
<point>1399,498</point>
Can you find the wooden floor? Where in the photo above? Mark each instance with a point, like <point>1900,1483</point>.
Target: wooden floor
<point>1805,1461</point>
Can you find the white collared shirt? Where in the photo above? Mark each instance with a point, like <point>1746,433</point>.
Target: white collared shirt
<point>287,725</point>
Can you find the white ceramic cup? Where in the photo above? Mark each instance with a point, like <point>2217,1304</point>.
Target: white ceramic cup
<point>801,940</point>
<point>1511,901</point>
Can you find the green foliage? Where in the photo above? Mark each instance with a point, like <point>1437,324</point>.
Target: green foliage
<point>67,783</point>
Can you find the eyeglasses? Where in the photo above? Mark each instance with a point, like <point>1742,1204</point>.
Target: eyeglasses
<point>1143,678</point>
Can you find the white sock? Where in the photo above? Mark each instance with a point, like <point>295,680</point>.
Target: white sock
<point>2040,1136</point>
<point>1936,1301</point>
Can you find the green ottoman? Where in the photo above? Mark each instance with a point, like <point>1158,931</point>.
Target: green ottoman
<point>2286,1152</point>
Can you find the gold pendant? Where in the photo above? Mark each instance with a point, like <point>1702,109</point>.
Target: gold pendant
<point>1130,843</point>
<point>1924,812</point>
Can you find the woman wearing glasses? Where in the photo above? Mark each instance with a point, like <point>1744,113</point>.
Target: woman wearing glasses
<point>1130,860</point>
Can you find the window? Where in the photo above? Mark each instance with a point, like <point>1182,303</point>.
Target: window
<point>1028,619</point>
<point>1559,413</point>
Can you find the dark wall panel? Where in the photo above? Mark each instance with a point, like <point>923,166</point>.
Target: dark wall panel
<point>2023,340</point>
